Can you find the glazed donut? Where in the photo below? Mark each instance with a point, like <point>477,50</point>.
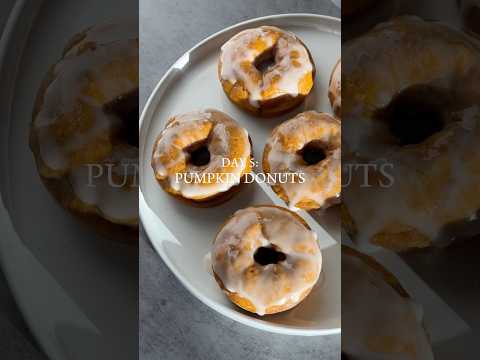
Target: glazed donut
<point>411,106</point>
<point>309,144</point>
<point>335,89</point>
<point>202,157</point>
<point>379,319</point>
<point>266,70</point>
<point>84,133</point>
<point>266,259</point>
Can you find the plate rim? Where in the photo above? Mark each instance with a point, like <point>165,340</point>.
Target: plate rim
<point>145,210</point>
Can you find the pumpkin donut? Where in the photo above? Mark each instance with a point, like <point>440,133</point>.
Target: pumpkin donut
<point>412,115</point>
<point>379,318</point>
<point>266,70</point>
<point>84,130</point>
<point>307,145</point>
<point>266,259</point>
<point>202,157</point>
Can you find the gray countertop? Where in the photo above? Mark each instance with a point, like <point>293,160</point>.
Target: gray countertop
<point>173,324</point>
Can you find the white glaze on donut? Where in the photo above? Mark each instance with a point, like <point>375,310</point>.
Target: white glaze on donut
<point>226,141</point>
<point>286,73</point>
<point>322,180</point>
<point>95,57</point>
<point>435,182</point>
<point>378,322</point>
<point>272,284</point>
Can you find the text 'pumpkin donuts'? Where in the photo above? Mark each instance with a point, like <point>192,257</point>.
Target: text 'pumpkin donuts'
<point>266,259</point>
<point>189,156</point>
<point>266,70</point>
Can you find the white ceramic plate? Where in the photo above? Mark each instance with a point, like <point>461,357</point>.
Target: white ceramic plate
<point>183,235</point>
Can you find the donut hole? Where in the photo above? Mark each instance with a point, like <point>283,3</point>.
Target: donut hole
<point>198,154</point>
<point>415,114</point>
<point>265,60</point>
<point>125,108</point>
<point>266,255</point>
<point>313,152</point>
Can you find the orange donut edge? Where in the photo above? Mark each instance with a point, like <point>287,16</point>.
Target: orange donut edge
<point>267,108</point>
<point>246,304</point>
